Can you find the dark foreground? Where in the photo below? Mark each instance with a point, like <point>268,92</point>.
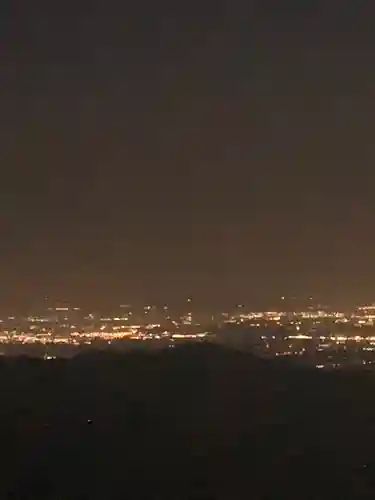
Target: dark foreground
<point>197,422</point>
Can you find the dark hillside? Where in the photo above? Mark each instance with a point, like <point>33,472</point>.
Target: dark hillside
<point>192,422</point>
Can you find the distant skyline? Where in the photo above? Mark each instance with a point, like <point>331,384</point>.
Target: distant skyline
<point>175,305</point>
<point>156,150</point>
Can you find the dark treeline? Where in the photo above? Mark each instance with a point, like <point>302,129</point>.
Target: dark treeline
<point>197,421</point>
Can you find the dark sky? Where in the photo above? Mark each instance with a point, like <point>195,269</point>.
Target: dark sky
<point>157,149</point>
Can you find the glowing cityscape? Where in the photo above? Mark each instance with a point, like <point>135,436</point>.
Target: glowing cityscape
<point>315,335</point>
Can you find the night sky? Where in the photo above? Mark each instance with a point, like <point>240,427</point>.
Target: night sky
<point>153,150</point>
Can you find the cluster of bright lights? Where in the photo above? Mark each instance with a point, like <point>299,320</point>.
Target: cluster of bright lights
<point>134,332</point>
